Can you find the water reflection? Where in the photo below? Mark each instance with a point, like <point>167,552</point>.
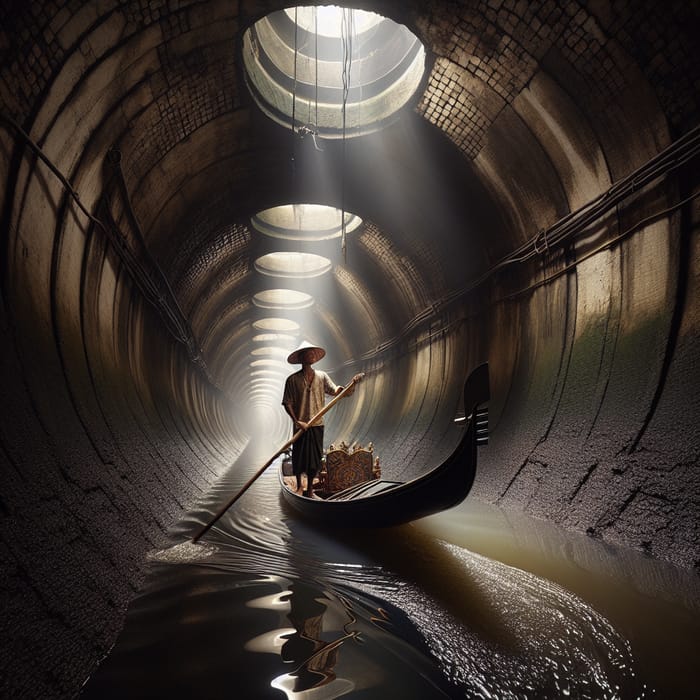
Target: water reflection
<point>279,609</point>
<point>314,659</point>
<point>312,656</point>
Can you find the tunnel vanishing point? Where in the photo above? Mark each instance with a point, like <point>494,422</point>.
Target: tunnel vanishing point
<point>528,195</point>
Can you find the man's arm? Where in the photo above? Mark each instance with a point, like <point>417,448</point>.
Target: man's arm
<point>290,412</point>
<point>351,391</point>
<point>329,386</point>
<point>287,403</point>
<point>297,423</point>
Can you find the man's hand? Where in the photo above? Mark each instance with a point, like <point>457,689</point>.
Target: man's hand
<point>357,378</point>
<point>301,425</point>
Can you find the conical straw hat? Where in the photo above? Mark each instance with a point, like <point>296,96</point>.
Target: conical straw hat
<point>315,354</point>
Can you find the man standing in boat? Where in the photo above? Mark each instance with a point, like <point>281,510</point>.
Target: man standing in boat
<point>304,397</point>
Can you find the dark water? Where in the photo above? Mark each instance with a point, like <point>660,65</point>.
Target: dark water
<point>270,607</point>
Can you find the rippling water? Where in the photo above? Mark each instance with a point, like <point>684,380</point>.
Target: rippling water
<point>267,606</point>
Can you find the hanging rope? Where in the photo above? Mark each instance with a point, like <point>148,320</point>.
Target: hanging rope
<point>346,30</point>
<point>294,94</point>
<point>316,53</point>
<point>313,127</point>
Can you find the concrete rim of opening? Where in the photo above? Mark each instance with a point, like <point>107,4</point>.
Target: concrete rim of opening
<point>349,80</point>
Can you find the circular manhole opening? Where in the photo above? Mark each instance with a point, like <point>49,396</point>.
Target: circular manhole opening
<point>332,71</point>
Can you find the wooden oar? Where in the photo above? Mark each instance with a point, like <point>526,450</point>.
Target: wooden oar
<point>286,445</point>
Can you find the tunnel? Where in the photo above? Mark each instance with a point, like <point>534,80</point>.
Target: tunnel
<point>527,196</point>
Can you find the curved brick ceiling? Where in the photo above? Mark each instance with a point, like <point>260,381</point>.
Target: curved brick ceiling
<point>523,117</point>
<point>500,222</point>
<point>535,94</point>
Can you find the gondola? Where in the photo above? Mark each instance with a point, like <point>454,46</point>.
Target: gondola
<point>381,503</point>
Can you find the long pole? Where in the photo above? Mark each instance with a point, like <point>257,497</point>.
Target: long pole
<point>286,445</point>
